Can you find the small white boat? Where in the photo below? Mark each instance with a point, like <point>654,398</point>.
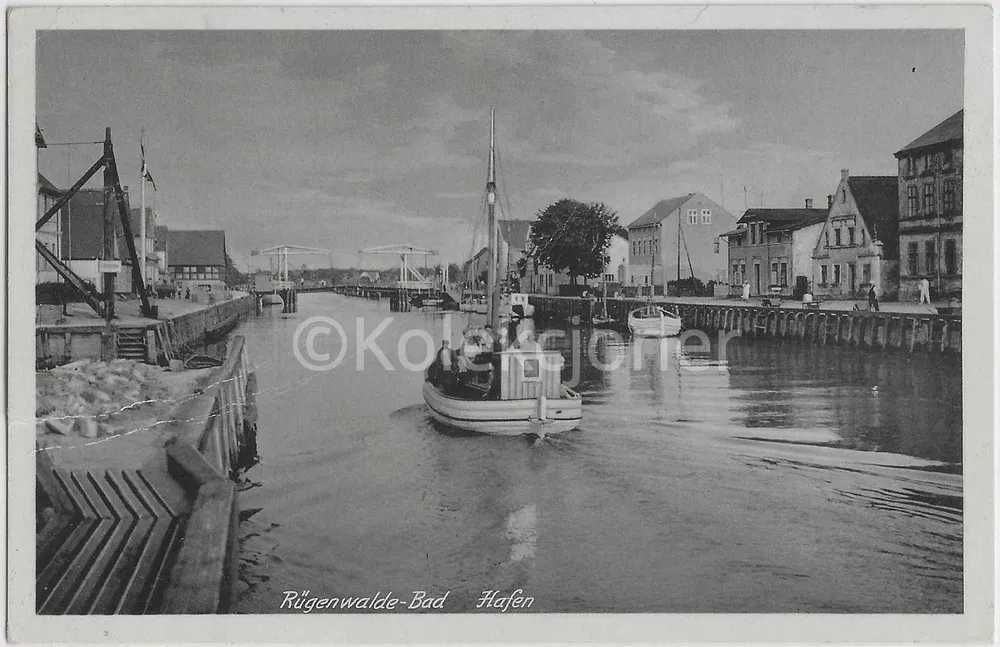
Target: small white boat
<point>653,321</point>
<point>271,299</point>
<point>472,306</point>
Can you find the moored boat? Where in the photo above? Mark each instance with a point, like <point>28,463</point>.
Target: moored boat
<point>653,321</point>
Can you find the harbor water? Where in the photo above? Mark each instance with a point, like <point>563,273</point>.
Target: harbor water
<point>750,476</point>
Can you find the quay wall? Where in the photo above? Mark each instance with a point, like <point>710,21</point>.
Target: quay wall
<point>57,344</point>
<point>217,442</point>
<point>906,332</point>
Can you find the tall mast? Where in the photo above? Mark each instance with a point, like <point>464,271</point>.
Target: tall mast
<point>492,293</point>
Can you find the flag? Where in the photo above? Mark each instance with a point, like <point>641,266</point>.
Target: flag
<point>149,178</point>
<point>146,175</point>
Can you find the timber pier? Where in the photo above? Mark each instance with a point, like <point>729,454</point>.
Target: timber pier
<point>907,332</point>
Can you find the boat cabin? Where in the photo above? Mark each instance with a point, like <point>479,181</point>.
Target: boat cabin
<point>528,374</point>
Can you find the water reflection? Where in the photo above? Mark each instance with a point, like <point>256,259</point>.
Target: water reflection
<point>704,478</point>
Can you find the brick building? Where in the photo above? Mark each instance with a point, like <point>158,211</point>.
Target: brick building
<point>930,210</point>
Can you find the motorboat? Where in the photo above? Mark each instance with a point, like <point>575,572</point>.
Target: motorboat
<point>497,388</point>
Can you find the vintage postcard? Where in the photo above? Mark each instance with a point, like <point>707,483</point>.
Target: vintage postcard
<point>431,324</point>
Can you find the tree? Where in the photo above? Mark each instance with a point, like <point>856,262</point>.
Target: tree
<point>573,236</point>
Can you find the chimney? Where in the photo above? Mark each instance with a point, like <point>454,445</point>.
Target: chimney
<point>844,172</point>
<point>809,203</point>
<point>829,200</point>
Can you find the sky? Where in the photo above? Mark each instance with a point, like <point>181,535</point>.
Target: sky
<point>350,139</point>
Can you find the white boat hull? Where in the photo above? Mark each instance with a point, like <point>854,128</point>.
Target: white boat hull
<point>664,326</point>
<point>504,417</point>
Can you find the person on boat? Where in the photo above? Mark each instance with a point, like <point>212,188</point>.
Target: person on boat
<point>494,356</point>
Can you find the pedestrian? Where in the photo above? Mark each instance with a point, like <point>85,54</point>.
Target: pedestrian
<point>746,290</point>
<point>187,294</point>
<point>872,299</point>
<point>925,291</point>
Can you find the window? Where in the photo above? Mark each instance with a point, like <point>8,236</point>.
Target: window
<point>736,274</point>
<point>929,199</point>
<point>774,273</point>
<point>930,252</point>
<point>866,273</point>
<point>610,278</point>
<point>716,245</point>
<point>836,274</point>
<point>753,233</point>
<point>850,235</point>
<point>706,216</point>
<point>911,259</point>
<point>911,201</point>
<point>843,195</point>
<point>948,199</point>
<point>827,235</point>
<point>692,216</point>
<point>836,236</point>
<point>862,235</point>
<point>950,257</point>
<point>822,275</point>
<point>784,274</point>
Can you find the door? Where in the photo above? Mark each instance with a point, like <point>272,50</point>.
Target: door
<point>756,276</point>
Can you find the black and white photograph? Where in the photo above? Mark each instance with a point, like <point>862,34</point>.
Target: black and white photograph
<point>517,320</point>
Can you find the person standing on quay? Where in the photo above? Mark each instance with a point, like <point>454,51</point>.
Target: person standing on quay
<point>746,290</point>
<point>872,299</point>
<point>925,291</point>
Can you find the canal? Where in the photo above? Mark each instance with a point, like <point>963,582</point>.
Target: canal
<point>750,476</point>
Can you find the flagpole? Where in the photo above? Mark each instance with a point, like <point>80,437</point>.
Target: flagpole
<point>142,212</point>
<point>142,225</point>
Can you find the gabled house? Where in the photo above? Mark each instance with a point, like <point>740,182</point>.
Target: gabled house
<point>196,259</point>
<point>930,209</point>
<point>859,243</point>
<point>685,229</point>
<point>773,247</point>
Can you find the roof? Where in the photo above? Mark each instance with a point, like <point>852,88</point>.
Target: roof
<point>877,197</point>
<point>196,247</point>
<point>161,238</point>
<point>785,219</point>
<point>660,210</point>
<point>83,224</point>
<point>950,129</point>
<point>515,232</point>
<point>734,232</point>
<point>44,186</point>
